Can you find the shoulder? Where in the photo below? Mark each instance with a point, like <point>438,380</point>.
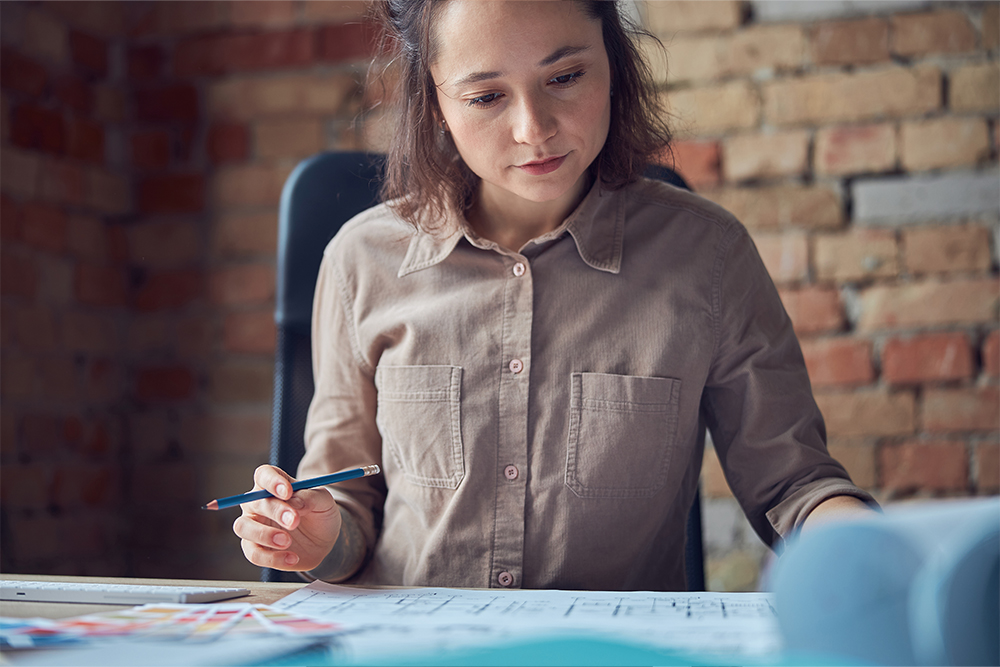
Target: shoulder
<point>377,231</point>
<point>665,202</point>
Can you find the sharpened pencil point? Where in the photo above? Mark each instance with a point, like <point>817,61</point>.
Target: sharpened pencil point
<point>214,505</point>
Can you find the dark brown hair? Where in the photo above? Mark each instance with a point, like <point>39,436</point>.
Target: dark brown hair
<point>426,178</point>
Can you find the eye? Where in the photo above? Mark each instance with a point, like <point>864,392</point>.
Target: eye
<point>484,101</point>
<point>567,79</point>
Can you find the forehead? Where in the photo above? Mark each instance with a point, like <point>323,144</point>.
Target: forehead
<point>493,35</point>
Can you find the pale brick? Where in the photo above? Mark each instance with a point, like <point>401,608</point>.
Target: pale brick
<point>249,185</point>
<point>855,149</point>
<point>263,13</point>
<point>943,143</point>
<point>964,409</point>
<point>242,284</point>
<point>898,200</point>
<point>766,48</point>
<point>856,255</point>
<point>813,309</point>
<point>279,138</point>
<point>19,172</point>
<point>859,42</point>
<point>991,355</point>
<point>664,18</point>
<point>868,412</point>
<point>251,332</point>
<point>713,480</point>
<point>660,60</point>
<point>838,361</point>
<point>165,244</point>
<point>987,468</point>
<point>45,38</point>
<point>952,249</point>
<point>188,17</point>
<point>991,26</point>
<point>249,98</point>
<point>786,256</point>
<point>4,118</point>
<point>241,382</point>
<point>109,104</point>
<point>935,357</point>
<point>334,12</point>
<point>229,432</point>
<point>245,235</point>
<point>750,156</point>
<point>808,207</point>
<point>928,303</point>
<point>107,192</point>
<point>858,458</point>
<point>696,58</point>
<point>946,31</point>
<point>975,88</point>
<point>848,97</point>
<point>715,109</point>
<point>924,466</point>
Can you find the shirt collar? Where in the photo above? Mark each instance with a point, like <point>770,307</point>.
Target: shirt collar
<point>597,226</point>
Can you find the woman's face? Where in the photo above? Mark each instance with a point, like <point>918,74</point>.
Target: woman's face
<point>524,88</point>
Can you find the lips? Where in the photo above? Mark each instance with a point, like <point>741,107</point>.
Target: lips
<point>542,167</point>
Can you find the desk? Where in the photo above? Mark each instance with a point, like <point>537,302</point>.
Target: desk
<point>260,593</point>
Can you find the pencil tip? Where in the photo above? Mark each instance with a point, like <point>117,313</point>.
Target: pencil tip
<point>214,505</point>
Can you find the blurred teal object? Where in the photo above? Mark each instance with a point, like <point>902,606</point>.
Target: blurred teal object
<point>918,586</point>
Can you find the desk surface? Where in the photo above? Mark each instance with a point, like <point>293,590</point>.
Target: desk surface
<point>260,593</point>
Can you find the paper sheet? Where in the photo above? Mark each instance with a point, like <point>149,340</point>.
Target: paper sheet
<point>381,622</point>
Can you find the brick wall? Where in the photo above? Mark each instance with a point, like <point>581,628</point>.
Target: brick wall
<point>144,146</point>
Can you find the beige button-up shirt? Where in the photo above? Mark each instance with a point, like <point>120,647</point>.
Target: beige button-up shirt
<point>540,416</point>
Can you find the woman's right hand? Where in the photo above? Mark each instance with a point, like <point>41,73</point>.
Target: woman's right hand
<point>292,531</point>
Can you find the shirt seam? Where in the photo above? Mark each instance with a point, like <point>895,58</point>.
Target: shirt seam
<point>352,333</point>
<point>717,271</point>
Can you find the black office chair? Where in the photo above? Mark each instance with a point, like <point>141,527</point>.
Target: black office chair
<point>321,194</point>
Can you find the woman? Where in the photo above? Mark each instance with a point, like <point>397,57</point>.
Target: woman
<point>531,339</point>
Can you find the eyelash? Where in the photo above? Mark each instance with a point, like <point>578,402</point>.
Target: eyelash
<point>488,100</point>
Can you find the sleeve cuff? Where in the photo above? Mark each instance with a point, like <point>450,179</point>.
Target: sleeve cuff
<point>787,516</point>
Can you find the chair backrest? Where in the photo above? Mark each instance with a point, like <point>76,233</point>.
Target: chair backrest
<point>321,194</point>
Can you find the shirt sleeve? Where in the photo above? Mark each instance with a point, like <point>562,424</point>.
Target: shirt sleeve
<point>340,427</point>
<point>767,430</point>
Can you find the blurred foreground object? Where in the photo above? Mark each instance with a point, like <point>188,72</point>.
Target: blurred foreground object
<point>920,585</point>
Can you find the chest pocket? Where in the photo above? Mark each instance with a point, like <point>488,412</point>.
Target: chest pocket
<point>420,422</point>
<point>621,434</point>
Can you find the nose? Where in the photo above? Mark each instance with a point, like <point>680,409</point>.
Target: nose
<point>534,123</point>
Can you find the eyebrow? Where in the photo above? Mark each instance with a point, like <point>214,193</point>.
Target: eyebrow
<point>552,58</point>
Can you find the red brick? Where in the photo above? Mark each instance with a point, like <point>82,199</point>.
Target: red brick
<point>166,290</point>
<point>44,227</point>
<point>838,361</point>
<point>35,329</point>
<point>36,127</point>
<point>924,466</point>
<point>928,303</point>
<point>57,379</point>
<point>228,142</point>
<point>945,31</point>
<point>934,357</point>
<point>103,382</point>
<point>245,235</point>
<point>220,54</point>
<point>813,309</point>
<point>18,276</point>
<point>163,104</point>
<point>855,42</point>
<point>10,219</point>
<point>991,355</point>
<point>151,149</point>
<point>101,285</point>
<point>262,13</point>
<point>26,485</point>
<point>347,42</point>
<point>90,332</point>
<point>987,467</point>
<point>86,141</point>
<point>696,161</point>
<point>867,412</point>
<point>73,92</point>
<point>165,244</point>
<point>965,409</point>
<point>855,149</point>
<point>21,74</point>
<point>108,192</point>
<point>174,193</point>
<point>89,52</point>
<point>165,383</point>
<point>242,285</point>
<point>62,182</point>
<point>947,249</point>
<point>145,63</point>
<point>251,332</point>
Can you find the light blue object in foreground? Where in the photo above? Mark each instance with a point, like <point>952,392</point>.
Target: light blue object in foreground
<point>918,586</point>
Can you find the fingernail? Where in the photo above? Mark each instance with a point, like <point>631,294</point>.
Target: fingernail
<point>281,489</point>
<point>291,559</point>
<point>287,518</point>
<point>281,540</point>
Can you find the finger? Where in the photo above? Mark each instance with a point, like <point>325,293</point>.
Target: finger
<point>275,480</point>
<point>264,535</point>
<point>264,557</point>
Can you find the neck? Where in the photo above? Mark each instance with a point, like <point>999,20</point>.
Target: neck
<point>511,222</point>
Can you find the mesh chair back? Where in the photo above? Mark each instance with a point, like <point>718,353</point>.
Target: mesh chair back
<point>321,194</point>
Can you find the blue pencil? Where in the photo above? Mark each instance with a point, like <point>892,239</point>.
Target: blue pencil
<point>231,501</point>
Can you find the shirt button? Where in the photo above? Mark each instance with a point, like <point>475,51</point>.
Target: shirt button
<point>516,365</point>
<point>510,472</point>
<point>519,269</point>
<point>505,578</point>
